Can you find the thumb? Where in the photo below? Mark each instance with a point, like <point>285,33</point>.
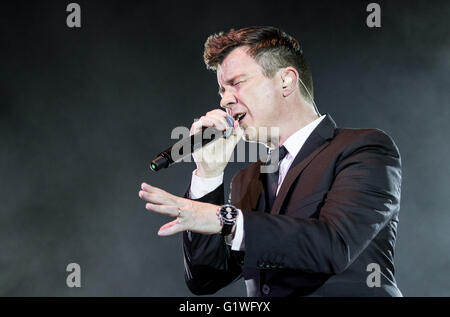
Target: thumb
<point>238,132</point>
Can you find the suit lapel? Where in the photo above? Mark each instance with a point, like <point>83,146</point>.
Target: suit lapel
<point>257,186</point>
<point>316,142</point>
<point>252,188</point>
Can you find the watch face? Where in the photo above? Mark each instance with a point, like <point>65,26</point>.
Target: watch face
<point>228,213</point>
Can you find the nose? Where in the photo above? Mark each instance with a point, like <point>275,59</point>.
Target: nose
<point>228,100</point>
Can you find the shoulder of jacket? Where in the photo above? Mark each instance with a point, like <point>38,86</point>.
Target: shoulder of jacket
<point>357,138</point>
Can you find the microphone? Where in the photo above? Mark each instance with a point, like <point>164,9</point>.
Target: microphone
<point>189,145</point>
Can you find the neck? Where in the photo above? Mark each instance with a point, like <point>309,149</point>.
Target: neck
<point>297,120</point>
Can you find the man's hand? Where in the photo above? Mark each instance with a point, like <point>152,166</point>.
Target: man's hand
<point>190,215</point>
<point>212,159</point>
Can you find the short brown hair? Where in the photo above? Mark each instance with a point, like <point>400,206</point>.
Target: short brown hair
<point>271,48</point>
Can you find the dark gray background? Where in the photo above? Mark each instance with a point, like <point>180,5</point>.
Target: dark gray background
<point>82,112</point>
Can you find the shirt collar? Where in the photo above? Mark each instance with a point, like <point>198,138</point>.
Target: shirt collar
<point>295,142</point>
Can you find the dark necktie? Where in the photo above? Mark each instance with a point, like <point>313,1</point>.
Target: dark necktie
<point>271,179</point>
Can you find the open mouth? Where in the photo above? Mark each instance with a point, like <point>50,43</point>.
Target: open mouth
<point>239,116</point>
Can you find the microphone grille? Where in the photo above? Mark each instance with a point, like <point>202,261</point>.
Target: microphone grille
<point>228,131</point>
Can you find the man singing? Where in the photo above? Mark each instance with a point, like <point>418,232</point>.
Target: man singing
<point>323,224</point>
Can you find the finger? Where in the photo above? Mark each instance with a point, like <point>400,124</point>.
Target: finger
<point>170,228</point>
<point>210,121</point>
<point>158,191</point>
<point>163,209</point>
<point>198,125</point>
<point>219,112</point>
<point>156,198</point>
<point>221,117</point>
<point>216,122</point>
<point>148,188</point>
<point>238,132</point>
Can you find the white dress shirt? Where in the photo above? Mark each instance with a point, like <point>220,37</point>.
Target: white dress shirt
<point>202,186</point>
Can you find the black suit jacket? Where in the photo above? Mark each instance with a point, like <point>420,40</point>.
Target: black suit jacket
<point>334,218</point>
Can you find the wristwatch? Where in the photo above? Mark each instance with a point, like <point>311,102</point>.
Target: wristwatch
<point>227,215</point>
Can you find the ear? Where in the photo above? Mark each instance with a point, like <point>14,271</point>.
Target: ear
<point>289,79</point>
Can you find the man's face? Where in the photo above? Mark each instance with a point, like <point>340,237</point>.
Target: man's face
<point>246,90</point>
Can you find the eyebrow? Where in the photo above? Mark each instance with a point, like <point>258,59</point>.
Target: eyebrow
<point>230,81</point>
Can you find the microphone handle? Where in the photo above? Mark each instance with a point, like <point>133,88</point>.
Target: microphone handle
<point>191,144</point>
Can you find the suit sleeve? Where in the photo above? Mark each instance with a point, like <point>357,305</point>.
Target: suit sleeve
<point>363,197</point>
<point>209,263</point>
